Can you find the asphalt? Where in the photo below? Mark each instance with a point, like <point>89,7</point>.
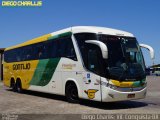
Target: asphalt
<point>31,102</point>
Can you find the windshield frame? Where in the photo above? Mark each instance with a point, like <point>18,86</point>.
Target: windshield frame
<point>106,62</point>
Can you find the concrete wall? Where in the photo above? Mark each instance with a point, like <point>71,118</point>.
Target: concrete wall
<point>0,66</point>
<point>1,54</point>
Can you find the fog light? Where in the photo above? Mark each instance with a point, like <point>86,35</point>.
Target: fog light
<point>112,96</point>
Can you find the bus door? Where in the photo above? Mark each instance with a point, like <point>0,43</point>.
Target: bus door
<point>91,78</point>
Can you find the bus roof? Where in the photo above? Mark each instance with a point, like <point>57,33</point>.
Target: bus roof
<point>101,30</point>
<point>76,29</point>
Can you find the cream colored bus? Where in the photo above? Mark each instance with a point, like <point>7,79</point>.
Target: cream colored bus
<point>95,63</point>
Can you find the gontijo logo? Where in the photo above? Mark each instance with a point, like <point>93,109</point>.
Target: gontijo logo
<point>21,3</point>
<point>91,93</point>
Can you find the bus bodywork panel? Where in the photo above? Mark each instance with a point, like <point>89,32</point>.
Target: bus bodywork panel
<point>51,75</point>
<point>110,95</point>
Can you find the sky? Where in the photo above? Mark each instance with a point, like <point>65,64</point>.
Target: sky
<point>140,17</point>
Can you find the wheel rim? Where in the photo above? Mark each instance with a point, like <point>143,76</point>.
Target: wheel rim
<point>12,85</point>
<point>18,87</point>
<point>72,92</point>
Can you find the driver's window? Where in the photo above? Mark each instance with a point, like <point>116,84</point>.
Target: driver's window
<point>93,61</point>
<point>94,58</point>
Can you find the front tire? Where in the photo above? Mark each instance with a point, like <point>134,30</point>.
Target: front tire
<point>72,93</point>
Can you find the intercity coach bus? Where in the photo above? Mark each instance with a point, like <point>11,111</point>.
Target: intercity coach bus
<point>95,63</point>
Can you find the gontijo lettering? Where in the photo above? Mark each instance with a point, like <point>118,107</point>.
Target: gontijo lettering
<point>26,66</point>
<point>21,3</point>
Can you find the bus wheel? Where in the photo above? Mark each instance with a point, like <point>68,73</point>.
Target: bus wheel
<point>19,86</point>
<point>12,85</point>
<point>71,93</point>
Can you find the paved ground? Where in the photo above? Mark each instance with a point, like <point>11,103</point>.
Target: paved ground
<point>40,103</point>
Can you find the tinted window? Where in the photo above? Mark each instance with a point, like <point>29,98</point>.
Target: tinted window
<point>66,48</point>
<point>93,59</point>
<point>91,54</point>
<point>59,47</point>
<point>81,38</point>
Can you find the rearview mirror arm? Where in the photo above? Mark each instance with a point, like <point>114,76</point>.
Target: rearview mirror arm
<point>102,46</point>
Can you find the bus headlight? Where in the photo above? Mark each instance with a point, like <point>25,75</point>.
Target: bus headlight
<point>108,85</point>
<point>112,86</point>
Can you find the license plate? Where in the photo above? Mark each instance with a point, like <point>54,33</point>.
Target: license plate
<point>131,95</point>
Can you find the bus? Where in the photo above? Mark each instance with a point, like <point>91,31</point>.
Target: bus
<point>81,62</point>
<point>156,71</point>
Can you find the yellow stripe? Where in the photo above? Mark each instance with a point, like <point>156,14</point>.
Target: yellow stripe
<point>122,84</point>
<point>36,40</point>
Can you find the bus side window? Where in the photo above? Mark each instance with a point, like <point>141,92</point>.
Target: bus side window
<point>53,48</point>
<point>49,48</point>
<point>70,52</point>
<point>44,51</point>
<point>56,51</point>
<point>22,54</point>
<point>11,56</point>
<point>29,52</point>
<point>62,47</point>
<point>67,48</point>
<point>17,53</point>
<point>41,51</point>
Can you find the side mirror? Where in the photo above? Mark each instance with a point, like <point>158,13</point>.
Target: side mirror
<point>102,46</point>
<point>151,50</point>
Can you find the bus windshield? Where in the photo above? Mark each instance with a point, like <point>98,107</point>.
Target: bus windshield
<point>125,60</point>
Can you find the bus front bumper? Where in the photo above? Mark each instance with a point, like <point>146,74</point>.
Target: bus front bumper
<point>111,95</point>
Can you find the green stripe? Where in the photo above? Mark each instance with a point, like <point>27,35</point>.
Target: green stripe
<point>136,84</point>
<point>44,71</point>
<point>65,34</point>
<point>53,37</point>
<point>60,35</point>
<point>139,83</point>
